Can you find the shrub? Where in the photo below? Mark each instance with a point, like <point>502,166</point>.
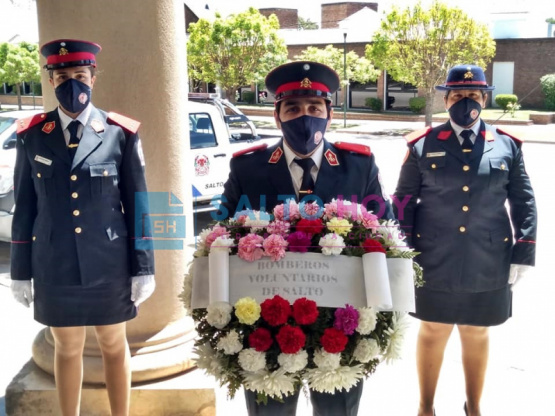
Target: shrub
<point>248,97</point>
<point>374,103</point>
<point>503,100</point>
<point>548,88</point>
<point>417,104</point>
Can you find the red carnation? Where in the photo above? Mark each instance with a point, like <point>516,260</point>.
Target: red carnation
<point>261,339</point>
<point>310,226</point>
<point>305,311</point>
<point>275,311</point>
<point>372,246</point>
<point>333,340</point>
<point>290,339</point>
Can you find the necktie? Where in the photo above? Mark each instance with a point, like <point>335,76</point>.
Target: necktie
<point>467,144</point>
<point>73,140</point>
<point>307,186</point>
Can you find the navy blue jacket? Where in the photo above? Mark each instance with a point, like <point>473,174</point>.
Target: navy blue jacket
<point>265,182</point>
<point>456,216</point>
<point>74,222</point>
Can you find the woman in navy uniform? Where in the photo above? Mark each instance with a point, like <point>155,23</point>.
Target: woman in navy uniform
<point>76,229</point>
<point>459,176</point>
<point>304,164</point>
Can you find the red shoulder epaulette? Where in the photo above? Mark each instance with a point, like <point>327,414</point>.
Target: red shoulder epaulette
<point>511,135</point>
<point>125,122</point>
<point>353,147</point>
<point>28,122</point>
<point>256,148</point>
<point>417,134</point>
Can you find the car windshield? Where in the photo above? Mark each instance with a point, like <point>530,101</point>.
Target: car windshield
<point>6,122</point>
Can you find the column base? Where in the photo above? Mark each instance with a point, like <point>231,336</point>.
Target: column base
<point>33,392</point>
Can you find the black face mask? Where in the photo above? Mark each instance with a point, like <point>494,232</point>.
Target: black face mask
<point>73,95</point>
<point>465,112</point>
<point>305,133</point>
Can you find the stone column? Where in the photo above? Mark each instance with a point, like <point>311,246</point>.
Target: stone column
<point>142,74</point>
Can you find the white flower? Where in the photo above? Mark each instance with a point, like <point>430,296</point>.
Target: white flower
<point>366,350</point>
<point>392,235</point>
<point>209,360</point>
<point>275,383</point>
<point>252,360</point>
<point>231,343</point>
<point>185,296</point>
<point>293,362</point>
<point>218,314</point>
<point>222,243</point>
<point>367,319</point>
<point>332,244</point>
<point>201,243</point>
<point>396,333</point>
<point>326,361</point>
<point>257,220</point>
<point>328,381</point>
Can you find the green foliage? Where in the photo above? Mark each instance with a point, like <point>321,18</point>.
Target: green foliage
<point>548,88</point>
<point>249,97</point>
<point>374,103</point>
<point>417,104</point>
<point>358,69</point>
<point>502,100</point>
<point>418,45</point>
<point>306,24</point>
<point>239,50</point>
<point>19,63</point>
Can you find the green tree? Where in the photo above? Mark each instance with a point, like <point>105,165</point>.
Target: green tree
<point>306,24</point>
<point>239,50</point>
<point>419,46</point>
<point>18,64</point>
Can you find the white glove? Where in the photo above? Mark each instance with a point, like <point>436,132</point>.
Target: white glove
<point>517,272</point>
<point>22,291</point>
<point>141,288</point>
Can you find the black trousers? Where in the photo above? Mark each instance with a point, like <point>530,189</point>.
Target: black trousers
<point>343,403</point>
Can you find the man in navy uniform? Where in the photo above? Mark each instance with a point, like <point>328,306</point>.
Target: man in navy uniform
<point>77,231</point>
<point>459,176</point>
<point>304,164</point>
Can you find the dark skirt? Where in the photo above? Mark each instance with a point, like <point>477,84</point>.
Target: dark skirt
<point>104,304</point>
<point>480,309</point>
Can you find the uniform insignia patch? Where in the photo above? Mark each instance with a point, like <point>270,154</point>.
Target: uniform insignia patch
<point>331,158</point>
<point>48,127</point>
<point>97,125</point>
<point>488,136</point>
<point>468,74</point>
<point>305,83</point>
<point>444,135</point>
<point>276,155</point>
<point>63,51</point>
<point>202,165</point>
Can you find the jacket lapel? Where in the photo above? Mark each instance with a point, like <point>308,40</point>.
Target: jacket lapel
<point>90,139</point>
<point>55,140</point>
<point>328,175</point>
<point>450,143</point>
<point>278,173</point>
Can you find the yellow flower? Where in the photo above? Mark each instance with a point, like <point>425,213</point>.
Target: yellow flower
<point>339,226</point>
<point>247,310</point>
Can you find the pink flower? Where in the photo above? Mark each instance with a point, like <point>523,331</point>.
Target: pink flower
<point>346,319</point>
<point>279,227</point>
<point>274,246</point>
<point>311,209</point>
<point>330,210</point>
<point>217,231</point>
<point>278,212</point>
<point>299,241</point>
<point>369,221</point>
<point>287,212</point>
<point>250,247</point>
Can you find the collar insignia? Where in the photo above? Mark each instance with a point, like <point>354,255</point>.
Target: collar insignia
<point>276,155</point>
<point>48,127</point>
<point>306,83</point>
<point>488,136</point>
<point>97,125</point>
<point>331,158</point>
<point>468,74</point>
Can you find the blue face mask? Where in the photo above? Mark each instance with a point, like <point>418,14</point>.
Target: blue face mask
<point>305,133</point>
<point>465,112</point>
<point>73,95</point>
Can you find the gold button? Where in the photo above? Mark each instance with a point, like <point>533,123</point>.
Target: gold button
<point>502,166</point>
<point>506,239</point>
<point>462,229</point>
<point>434,166</point>
<point>418,235</point>
<point>105,173</point>
<point>73,177</point>
<point>75,195</point>
<point>76,212</point>
<point>465,208</point>
<point>39,175</point>
<point>78,230</point>
<point>466,168</point>
<point>465,188</point>
<point>42,115</point>
<point>34,237</point>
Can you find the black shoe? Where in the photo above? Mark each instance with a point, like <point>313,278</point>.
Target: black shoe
<point>465,411</point>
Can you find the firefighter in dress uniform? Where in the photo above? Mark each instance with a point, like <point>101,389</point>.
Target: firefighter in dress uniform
<point>77,232</point>
<point>459,176</point>
<point>304,165</point>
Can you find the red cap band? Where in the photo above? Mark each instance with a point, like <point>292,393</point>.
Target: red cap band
<point>70,57</point>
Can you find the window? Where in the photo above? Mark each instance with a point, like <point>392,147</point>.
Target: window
<point>201,131</point>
